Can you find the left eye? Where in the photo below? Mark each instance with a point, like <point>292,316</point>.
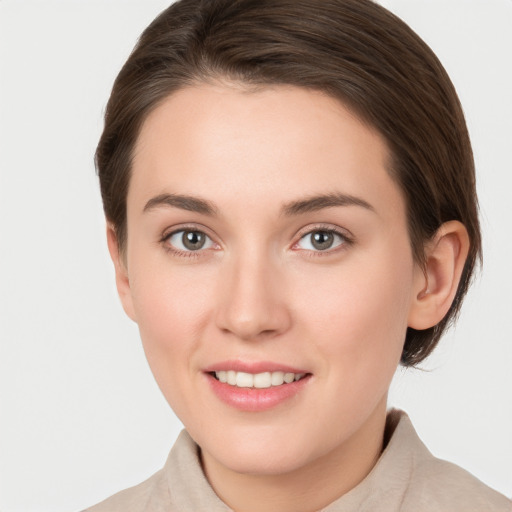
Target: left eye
<point>190,240</point>
<point>321,240</point>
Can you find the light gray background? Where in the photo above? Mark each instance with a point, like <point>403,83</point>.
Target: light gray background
<point>80,414</point>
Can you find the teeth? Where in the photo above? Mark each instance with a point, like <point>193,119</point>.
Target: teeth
<point>276,378</point>
<point>244,380</point>
<point>289,377</point>
<point>263,380</point>
<point>258,380</point>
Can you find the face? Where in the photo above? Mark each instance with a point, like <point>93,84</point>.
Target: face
<point>267,246</point>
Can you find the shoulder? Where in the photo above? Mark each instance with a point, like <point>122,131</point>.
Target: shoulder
<point>179,485</point>
<point>438,485</point>
<point>133,499</point>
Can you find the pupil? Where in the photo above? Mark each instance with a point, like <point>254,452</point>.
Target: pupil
<point>193,240</point>
<point>322,240</point>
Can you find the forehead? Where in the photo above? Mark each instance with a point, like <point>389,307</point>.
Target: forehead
<point>271,144</point>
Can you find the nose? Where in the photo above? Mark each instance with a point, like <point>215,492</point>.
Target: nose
<point>253,303</point>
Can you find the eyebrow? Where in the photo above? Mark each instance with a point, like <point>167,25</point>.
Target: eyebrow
<point>298,207</point>
<point>184,202</point>
<point>319,202</point>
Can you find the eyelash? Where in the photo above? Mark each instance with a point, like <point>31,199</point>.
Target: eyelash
<point>346,241</point>
<point>177,252</point>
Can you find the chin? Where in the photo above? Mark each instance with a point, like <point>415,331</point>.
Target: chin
<point>262,463</point>
<point>262,450</point>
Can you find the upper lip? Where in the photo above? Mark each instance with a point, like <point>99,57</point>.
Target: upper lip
<point>252,367</point>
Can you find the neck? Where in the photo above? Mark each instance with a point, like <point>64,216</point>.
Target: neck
<point>310,487</point>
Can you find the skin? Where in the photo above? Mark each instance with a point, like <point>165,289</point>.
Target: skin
<point>260,291</point>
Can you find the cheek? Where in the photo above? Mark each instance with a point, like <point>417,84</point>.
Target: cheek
<point>357,314</point>
<point>172,307</point>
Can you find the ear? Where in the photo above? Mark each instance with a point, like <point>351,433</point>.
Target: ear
<point>436,284</point>
<point>122,277</point>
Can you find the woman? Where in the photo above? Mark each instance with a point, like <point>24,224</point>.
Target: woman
<point>290,196</point>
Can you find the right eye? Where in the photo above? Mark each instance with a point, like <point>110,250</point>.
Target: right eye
<point>188,240</point>
<point>321,240</point>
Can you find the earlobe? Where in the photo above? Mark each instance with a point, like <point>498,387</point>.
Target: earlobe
<point>436,284</point>
<point>122,277</point>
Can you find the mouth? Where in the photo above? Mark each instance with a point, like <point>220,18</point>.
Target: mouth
<point>261,380</point>
<point>256,387</point>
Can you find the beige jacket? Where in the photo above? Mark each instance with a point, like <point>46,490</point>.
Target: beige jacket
<point>406,478</point>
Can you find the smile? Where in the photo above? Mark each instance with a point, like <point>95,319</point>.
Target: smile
<point>259,380</point>
<point>261,387</point>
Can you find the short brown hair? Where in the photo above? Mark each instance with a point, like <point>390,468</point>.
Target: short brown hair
<point>355,51</point>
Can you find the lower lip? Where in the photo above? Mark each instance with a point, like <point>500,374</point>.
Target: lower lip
<point>254,399</point>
